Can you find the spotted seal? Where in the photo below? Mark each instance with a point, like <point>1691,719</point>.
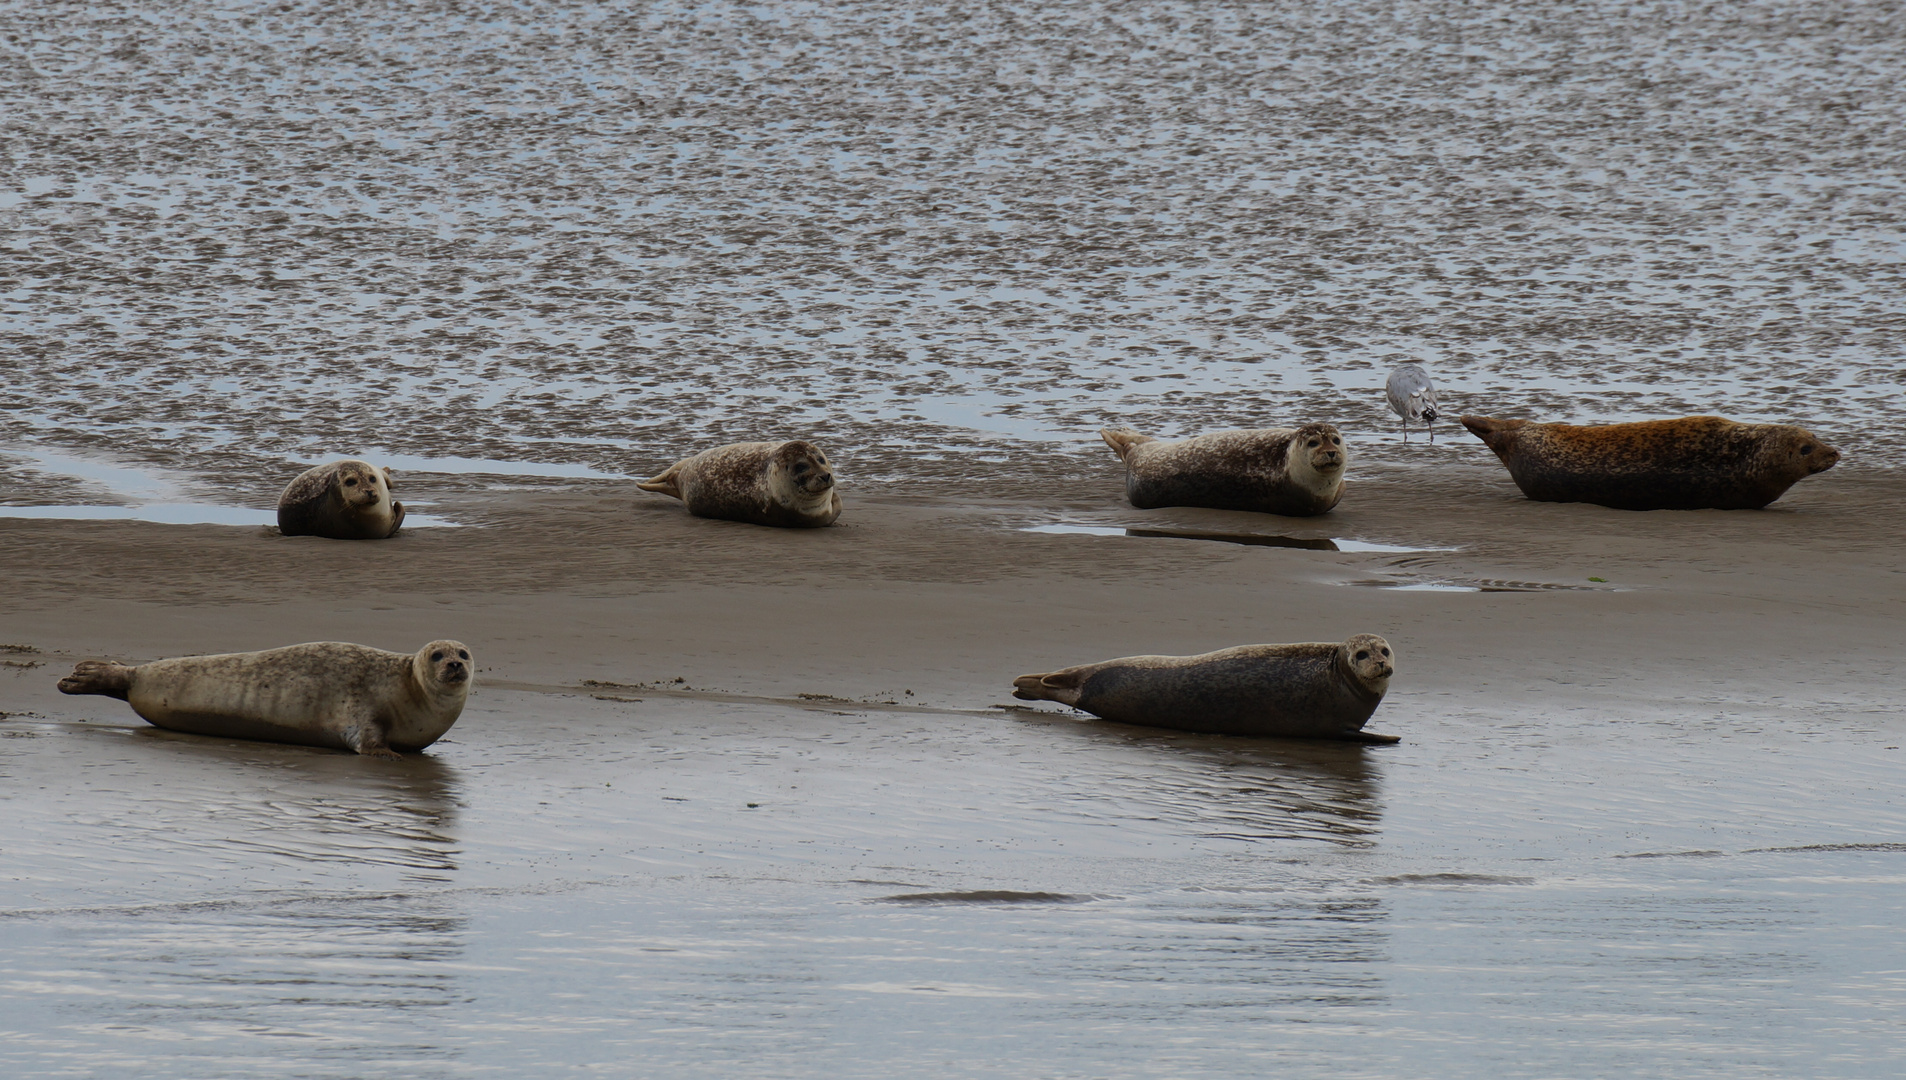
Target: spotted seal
<point>789,484</point>
<point>1313,690</point>
<point>345,500</point>
<point>1693,463</point>
<point>1297,472</point>
<point>322,693</point>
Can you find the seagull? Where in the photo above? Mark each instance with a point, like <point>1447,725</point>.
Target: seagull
<point>1413,397</point>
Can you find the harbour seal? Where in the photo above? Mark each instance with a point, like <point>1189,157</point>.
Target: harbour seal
<point>345,500</point>
<point>323,693</point>
<point>1693,463</point>
<point>1314,690</point>
<point>1295,472</point>
<point>789,484</point>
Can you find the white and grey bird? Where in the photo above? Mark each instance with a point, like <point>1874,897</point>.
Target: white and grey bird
<point>1413,397</point>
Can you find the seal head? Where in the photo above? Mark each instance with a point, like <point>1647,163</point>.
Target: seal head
<point>1690,463</point>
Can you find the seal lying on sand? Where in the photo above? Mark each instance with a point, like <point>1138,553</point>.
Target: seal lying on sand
<point>1316,690</point>
<point>325,693</point>
<point>1694,463</point>
<point>766,483</point>
<point>345,500</point>
<point>1298,472</point>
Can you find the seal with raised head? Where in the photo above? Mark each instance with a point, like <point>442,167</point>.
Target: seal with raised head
<point>322,693</point>
<point>345,500</point>
<point>1312,690</point>
<point>789,484</point>
<point>1297,472</point>
<point>1693,463</point>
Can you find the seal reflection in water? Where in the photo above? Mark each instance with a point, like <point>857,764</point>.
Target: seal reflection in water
<point>345,500</point>
<point>1313,690</point>
<point>1694,463</point>
<point>789,484</point>
<point>323,693</point>
<point>1294,472</point>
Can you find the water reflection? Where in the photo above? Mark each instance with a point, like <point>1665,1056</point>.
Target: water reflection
<point>237,902</point>
<point>1233,788</point>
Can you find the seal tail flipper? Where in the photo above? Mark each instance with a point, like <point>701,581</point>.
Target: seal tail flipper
<point>1123,441</point>
<point>664,483</point>
<point>397,518</point>
<point>1060,686</point>
<point>1493,432</point>
<point>99,677</point>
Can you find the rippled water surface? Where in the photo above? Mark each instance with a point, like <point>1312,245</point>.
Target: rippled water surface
<point>674,887</point>
<point>243,234</point>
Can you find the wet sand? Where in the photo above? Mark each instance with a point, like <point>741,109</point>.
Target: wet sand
<point>736,799</point>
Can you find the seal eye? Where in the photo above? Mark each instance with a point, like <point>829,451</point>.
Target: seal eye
<point>1363,654</point>
<point>463,655</point>
<point>436,656</point>
<point>1386,652</point>
<point>1805,450</point>
<point>1313,442</point>
<point>352,482</point>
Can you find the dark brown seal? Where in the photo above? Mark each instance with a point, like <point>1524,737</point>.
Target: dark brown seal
<point>345,500</point>
<point>1694,463</point>
<point>322,693</point>
<point>1295,472</point>
<point>789,484</point>
<point>1314,690</point>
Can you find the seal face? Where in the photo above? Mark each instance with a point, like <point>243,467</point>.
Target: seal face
<point>1313,690</point>
<point>789,484</point>
<point>345,500</point>
<point>1693,463</point>
<point>322,693</point>
<point>1297,472</point>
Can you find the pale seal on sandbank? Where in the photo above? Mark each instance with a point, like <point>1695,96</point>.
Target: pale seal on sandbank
<point>322,693</point>
<point>788,484</point>
<point>1297,472</point>
<point>345,500</point>
<point>1693,463</point>
<point>1313,690</point>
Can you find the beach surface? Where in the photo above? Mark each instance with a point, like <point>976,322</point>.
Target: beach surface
<point>732,799</point>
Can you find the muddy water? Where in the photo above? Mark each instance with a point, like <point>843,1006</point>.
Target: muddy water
<point>695,888</point>
<point>243,235</point>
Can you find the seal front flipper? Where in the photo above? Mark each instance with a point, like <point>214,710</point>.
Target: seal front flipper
<point>1060,686</point>
<point>364,735</point>
<point>99,677</point>
<point>668,483</point>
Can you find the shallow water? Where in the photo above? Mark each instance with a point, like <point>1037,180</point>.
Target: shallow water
<point>936,239</point>
<point>700,888</point>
